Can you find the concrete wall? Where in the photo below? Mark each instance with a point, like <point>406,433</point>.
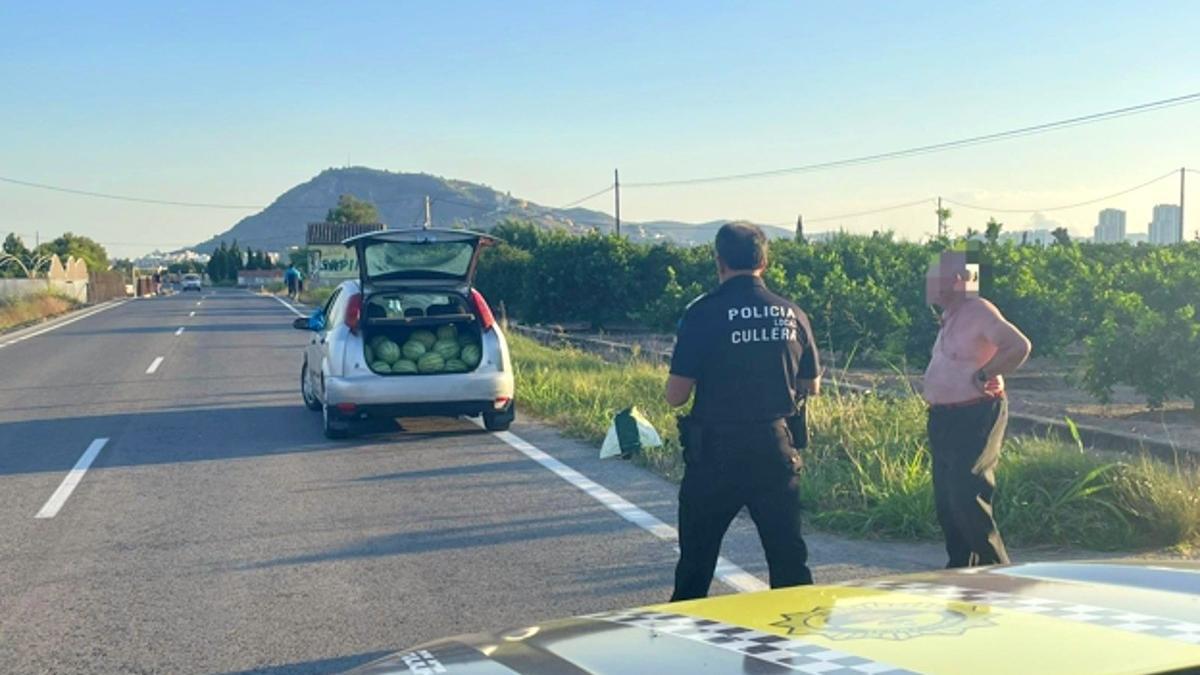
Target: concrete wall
<point>15,288</point>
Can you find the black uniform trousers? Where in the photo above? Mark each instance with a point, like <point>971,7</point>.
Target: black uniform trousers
<point>965,442</point>
<point>752,465</point>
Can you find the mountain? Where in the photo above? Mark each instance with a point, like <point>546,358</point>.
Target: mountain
<point>400,198</point>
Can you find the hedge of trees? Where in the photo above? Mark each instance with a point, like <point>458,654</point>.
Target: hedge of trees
<point>228,260</point>
<point>1134,309</point>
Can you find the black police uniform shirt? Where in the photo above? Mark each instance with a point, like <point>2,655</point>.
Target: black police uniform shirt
<point>747,349</point>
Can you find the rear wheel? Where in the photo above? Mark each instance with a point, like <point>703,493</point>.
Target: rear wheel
<point>333,427</point>
<point>310,399</point>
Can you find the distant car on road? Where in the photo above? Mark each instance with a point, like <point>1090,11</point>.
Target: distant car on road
<point>190,282</point>
<point>1037,618</point>
<point>411,337</point>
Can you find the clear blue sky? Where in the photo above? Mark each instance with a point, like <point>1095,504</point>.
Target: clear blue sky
<point>236,102</point>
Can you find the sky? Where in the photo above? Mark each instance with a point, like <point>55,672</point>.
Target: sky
<point>235,103</point>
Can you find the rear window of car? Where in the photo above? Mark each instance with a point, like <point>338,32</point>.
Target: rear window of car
<point>406,260</point>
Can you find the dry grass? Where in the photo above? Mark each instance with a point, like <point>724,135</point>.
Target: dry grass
<point>16,312</point>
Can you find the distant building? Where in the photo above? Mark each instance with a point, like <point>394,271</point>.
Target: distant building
<point>1111,229</point>
<point>329,261</point>
<point>1167,226</point>
<point>1137,237</point>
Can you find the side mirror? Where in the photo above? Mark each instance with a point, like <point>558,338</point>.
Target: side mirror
<point>301,323</point>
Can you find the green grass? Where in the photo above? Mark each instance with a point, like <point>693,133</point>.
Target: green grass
<point>867,470</point>
<point>316,296</point>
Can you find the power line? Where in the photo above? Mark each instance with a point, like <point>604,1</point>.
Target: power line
<point>581,200</point>
<point>1065,206</point>
<point>937,147</point>
<point>126,198</point>
<point>856,214</point>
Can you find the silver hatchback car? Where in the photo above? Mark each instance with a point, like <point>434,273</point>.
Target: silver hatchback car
<point>411,337</point>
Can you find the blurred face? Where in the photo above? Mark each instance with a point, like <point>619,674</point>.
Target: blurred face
<point>950,278</point>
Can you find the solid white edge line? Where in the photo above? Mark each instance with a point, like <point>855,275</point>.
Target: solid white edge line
<point>179,332</point>
<point>56,326</point>
<point>56,501</point>
<point>287,304</point>
<point>727,571</point>
<point>154,365</point>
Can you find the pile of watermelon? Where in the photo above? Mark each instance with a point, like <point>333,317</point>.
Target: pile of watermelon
<point>445,351</point>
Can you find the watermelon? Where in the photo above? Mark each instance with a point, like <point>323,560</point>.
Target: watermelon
<point>414,349</point>
<point>471,355</point>
<point>465,339</point>
<point>448,349</point>
<point>368,353</point>
<point>404,366</point>
<point>426,338</point>
<point>388,351</point>
<point>376,340</point>
<point>431,363</point>
<point>381,367</point>
<point>455,366</point>
<point>447,332</point>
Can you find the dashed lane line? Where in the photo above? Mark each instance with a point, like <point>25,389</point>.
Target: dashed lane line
<point>56,501</point>
<point>154,365</point>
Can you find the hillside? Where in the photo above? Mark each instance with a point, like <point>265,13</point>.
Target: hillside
<point>400,198</point>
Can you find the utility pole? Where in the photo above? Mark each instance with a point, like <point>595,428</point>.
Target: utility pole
<point>941,222</point>
<point>617,198</point>
<point>428,214</point>
<point>1182,171</point>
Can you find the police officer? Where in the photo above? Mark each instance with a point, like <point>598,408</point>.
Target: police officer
<point>750,358</point>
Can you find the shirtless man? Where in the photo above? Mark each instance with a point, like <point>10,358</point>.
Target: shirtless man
<point>964,386</point>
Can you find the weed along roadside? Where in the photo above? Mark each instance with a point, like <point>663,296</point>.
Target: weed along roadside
<point>30,309</point>
<point>867,469</point>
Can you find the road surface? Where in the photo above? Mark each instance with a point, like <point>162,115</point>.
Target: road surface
<point>167,505</point>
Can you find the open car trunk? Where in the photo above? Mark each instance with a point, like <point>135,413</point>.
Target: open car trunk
<point>420,332</point>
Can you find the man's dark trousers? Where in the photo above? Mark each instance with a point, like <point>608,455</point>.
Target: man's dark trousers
<point>751,465</point>
<point>965,442</point>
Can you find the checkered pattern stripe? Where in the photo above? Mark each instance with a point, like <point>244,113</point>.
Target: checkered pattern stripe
<point>1133,622</point>
<point>800,656</point>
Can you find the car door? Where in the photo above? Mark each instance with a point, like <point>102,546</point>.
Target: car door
<point>318,347</point>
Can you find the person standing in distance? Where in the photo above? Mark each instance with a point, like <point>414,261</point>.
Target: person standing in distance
<point>968,411</point>
<point>750,357</point>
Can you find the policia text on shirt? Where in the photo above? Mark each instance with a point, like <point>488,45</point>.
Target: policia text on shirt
<point>750,358</point>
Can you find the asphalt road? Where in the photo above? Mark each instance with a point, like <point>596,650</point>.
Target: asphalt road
<point>216,529</point>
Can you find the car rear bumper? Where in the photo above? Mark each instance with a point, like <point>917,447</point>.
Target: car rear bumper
<point>456,394</point>
<point>448,409</point>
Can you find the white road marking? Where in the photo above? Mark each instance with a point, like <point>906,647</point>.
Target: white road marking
<point>192,313</point>
<point>75,475</point>
<point>154,365</point>
<point>86,314</point>
<point>728,572</point>
<point>180,331</point>
<point>287,304</point>
<point>198,302</point>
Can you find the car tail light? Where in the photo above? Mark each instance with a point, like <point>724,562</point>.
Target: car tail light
<point>502,402</point>
<point>347,408</point>
<point>482,310</point>
<point>354,312</point>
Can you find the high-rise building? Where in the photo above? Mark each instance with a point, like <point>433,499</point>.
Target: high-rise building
<point>1167,226</point>
<point>1111,229</point>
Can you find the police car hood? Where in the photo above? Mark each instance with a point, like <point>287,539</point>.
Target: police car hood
<point>1035,618</point>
